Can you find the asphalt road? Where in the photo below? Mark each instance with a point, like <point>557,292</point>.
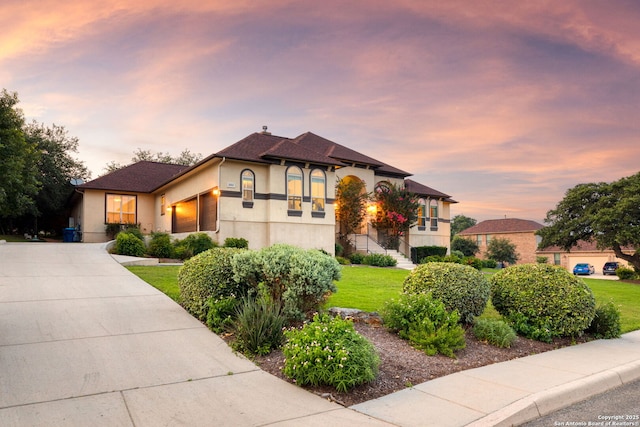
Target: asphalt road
<point>618,407</point>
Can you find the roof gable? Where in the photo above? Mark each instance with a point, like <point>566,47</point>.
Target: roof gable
<point>140,177</point>
<point>507,225</point>
<point>423,190</point>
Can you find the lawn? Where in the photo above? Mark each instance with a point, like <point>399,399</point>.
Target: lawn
<point>368,288</point>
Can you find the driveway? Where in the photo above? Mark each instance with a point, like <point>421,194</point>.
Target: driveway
<point>85,342</point>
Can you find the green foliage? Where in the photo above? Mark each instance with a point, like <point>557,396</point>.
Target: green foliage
<point>607,213</point>
<point>209,275</point>
<point>495,332</point>
<point>298,279</point>
<point>379,260</point>
<point>342,260</point>
<point>134,230</point>
<point>465,245</point>
<point>460,223</point>
<point>186,158</point>
<point>473,262</point>
<point>19,181</point>
<point>339,250</point>
<point>460,287</point>
<point>502,250</point>
<point>542,301</point>
<point>426,323</point>
<point>329,351</point>
<point>160,245</point>
<point>351,201</point>
<point>542,259</point>
<point>221,313</point>
<point>236,242</point>
<point>489,263</point>
<point>258,325</point>
<point>606,322</point>
<point>129,244</point>
<point>625,273</point>
<point>193,244</point>
<point>418,253</point>
<point>356,258</point>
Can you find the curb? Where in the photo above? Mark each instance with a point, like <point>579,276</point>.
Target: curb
<point>545,402</point>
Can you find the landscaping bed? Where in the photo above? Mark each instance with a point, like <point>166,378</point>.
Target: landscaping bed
<point>403,366</point>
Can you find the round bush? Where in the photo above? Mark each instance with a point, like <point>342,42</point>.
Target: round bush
<point>160,245</point>
<point>208,275</point>
<point>329,351</point>
<point>460,287</point>
<point>129,244</point>
<point>542,301</point>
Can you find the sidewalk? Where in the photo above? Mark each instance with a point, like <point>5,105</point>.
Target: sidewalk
<point>85,342</point>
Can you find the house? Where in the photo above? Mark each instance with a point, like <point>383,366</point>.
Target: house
<point>583,252</point>
<point>520,232</point>
<point>267,189</point>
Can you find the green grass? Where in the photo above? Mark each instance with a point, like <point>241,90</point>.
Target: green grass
<point>625,296</point>
<point>162,277</point>
<point>368,288</point>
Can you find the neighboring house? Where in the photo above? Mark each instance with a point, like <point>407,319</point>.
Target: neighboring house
<point>520,232</point>
<point>583,252</point>
<point>267,189</point>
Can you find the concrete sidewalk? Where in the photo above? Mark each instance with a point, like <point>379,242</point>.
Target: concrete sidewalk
<point>84,342</point>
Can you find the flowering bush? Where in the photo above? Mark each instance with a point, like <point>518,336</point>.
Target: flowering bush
<point>329,351</point>
<point>397,211</point>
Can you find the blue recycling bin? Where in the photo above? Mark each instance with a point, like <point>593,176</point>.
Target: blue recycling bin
<point>67,234</point>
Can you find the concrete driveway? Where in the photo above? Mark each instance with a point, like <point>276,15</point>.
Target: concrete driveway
<point>85,342</point>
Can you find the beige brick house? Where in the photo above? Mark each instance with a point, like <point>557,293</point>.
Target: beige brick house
<point>520,232</point>
<point>267,189</point>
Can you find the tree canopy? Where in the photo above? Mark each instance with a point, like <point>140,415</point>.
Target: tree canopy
<point>351,200</point>
<point>605,213</point>
<point>186,158</point>
<point>465,245</point>
<point>397,211</point>
<point>460,223</point>
<point>18,161</point>
<point>502,250</point>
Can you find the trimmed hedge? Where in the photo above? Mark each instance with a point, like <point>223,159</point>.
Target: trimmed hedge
<point>209,275</point>
<point>460,287</point>
<point>420,252</point>
<point>542,301</point>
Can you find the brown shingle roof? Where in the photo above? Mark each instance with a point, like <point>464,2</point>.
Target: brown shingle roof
<point>507,225</point>
<point>140,177</point>
<point>423,190</point>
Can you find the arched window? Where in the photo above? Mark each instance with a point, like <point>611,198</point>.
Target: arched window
<point>422,213</point>
<point>294,188</point>
<point>318,190</point>
<point>248,188</point>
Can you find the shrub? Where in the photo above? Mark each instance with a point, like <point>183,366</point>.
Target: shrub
<point>342,260</point>
<point>329,351</point>
<point>542,301</point>
<point>356,258</point>
<point>129,244</point>
<point>458,254</point>
<point>489,263</point>
<point>606,322</point>
<point>625,273</point>
<point>339,249</point>
<point>495,332</point>
<point>452,258</point>
<point>135,230</point>
<point>420,252</point>
<point>221,313</point>
<point>208,275</point>
<point>298,279</point>
<point>432,258</point>
<point>236,242</point>
<point>473,262</point>
<point>258,326</point>
<point>192,245</point>
<point>460,287</point>
<point>542,259</point>
<point>379,260</point>
<point>426,323</point>
<point>160,245</point>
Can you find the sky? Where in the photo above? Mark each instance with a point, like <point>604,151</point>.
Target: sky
<point>503,105</point>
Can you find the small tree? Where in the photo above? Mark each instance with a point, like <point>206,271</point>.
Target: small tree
<point>397,211</point>
<point>351,200</point>
<point>467,246</point>
<point>502,250</point>
<point>460,223</point>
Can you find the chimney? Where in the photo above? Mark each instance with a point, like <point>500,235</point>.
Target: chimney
<point>264,131</point>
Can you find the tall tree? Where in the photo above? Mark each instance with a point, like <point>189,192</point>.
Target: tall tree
<point>56,168</point>
<point>18,163</point>
<point>460,223</point>
<point>351,201</point>
<point>607,213</point>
